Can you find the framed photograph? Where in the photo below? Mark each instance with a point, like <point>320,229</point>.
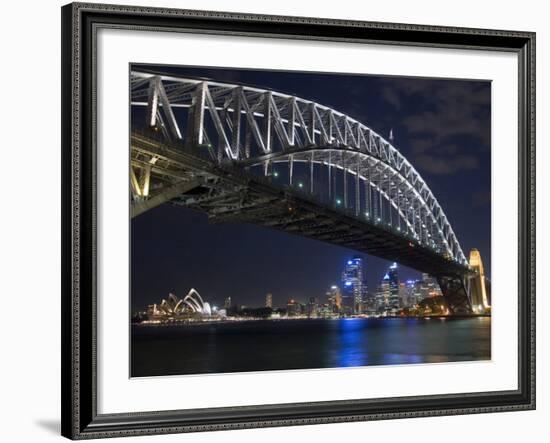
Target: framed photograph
<point>273,221</point>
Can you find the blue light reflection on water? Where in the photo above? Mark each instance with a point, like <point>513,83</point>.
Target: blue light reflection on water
<point>304,344</point>
<point>389,341</point>
<point>353,343</point>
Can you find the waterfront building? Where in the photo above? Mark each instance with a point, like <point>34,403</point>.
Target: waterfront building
<point>334,297</point>
<point>293,308</point>
<point>430,286</point>
<point>325,310</point>
<point>312,308</point>
<point>227,303</point>
<point>174,308</point>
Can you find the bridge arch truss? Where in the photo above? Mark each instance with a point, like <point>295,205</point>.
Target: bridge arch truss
<point>297,144</point>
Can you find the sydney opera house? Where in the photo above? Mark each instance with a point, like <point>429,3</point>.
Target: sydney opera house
<point>192,306</point>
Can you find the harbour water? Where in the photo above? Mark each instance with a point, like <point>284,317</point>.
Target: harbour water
<point>306,344</point>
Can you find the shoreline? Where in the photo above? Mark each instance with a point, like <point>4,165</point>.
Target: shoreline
<point>246,320</point>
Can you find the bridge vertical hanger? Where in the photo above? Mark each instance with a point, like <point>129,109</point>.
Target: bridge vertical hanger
<point>330,127</point>
<point>290,169</point>
<point>311,172</point>
<point>380,203</point>
<point>267,121</point>
<point>399,209</point>
<point>236,101</point>
<point>368,207</point>
<point>330,175</point>
<point>357,192</point>
<point>390,200</point>
<point>345,175</point>
<point>195,117</point>
<point>291,120</point>
<point>311,128</point>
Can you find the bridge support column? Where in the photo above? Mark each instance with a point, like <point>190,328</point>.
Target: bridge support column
<point>455,293</point>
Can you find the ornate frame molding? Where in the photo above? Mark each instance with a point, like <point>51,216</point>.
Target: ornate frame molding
<point>79,391</point>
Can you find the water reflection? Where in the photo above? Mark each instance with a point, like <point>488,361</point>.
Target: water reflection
<point>353,349</point>
<point>303,344</point>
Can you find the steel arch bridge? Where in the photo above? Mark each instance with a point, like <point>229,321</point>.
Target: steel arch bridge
<point>244,154</point>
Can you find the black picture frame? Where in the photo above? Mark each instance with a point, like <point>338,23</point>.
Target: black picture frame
<point>79,390</point>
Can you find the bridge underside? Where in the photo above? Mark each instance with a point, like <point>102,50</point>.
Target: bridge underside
<point>230,194</point>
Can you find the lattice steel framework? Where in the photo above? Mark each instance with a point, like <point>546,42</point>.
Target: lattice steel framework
<point>301,145</point>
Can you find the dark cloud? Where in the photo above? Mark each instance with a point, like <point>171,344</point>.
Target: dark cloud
<point>442,165</point>
<point>447,126</point>
<point>481,198</point>
<point>392,97</point>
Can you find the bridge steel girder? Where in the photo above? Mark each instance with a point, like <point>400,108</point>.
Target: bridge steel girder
<point>279,124</point>
<point>167,194</point>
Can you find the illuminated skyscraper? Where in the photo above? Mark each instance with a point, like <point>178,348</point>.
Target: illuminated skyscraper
<point>403,302</point>
<point>334,297</point>
<point>269,300</point>
<point>353,285</point>
<point>430,286</point>
<point>413,293</point>
<point>393,280</point>
<point>383,294</point>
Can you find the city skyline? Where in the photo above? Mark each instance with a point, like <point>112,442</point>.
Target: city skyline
<point>352,292</point>
<point>174,248</point>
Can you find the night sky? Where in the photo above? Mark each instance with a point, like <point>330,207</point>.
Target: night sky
<point>443,127</point>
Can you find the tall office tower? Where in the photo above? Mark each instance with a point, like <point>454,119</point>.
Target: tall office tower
<point>393,281</point>
<point>353,285</point>
<point>403,296</point>
<point>269,300</point>
<point>413,292</point>
<point>383,294</point>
